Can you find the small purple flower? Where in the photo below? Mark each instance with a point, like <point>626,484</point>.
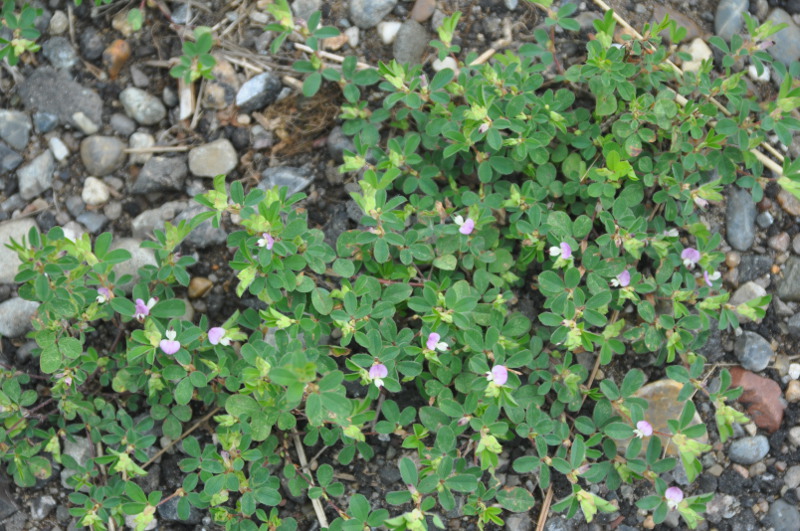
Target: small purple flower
<point>142,309</point>
<point>498,375</point>
<point>433,342</point>
<point>690,257</point>
<point>674,496</point>
<point>377,373</point>
<point>104,295</point>
<point>643,429</point>
<point>216,336</point>
<point>623,280</point>
<point>709,279</point>
<point>465,226</point>
<point>562,251</point>
<point>700,202</point>
<point>763,45</point>
<point>170,346</point>
<point>484,127</point>
<point>266,240</point>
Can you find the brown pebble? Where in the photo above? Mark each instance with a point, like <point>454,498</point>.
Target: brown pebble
<point>733,259</point>
<point>789,203</point>
<point>793,391</point>
<point>423,9</point>
<point>198,287</point>
<point>765,204</point>
<point>762,397</point>
<point>741,470</point>
<point>115,57</point>
<point>780,242</point>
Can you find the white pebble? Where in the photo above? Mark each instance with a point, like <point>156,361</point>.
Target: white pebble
<point>60,151</point>
<point>141,140</point>
<point>95,192</point>
<point>699,51</point>
<point>388,31</point>
<point>447,62</point>
<point>58,23</point>
<point>794,371</point>
<point>753,73</point>
<point>84,123</point>
<point>352,35</point>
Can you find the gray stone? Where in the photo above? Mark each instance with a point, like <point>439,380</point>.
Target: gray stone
<point>75,205</point>
<point>518,522</point>
<point>7,504</point>
<point>52,91</point>
<point>258,92</point>
<point>338,143</point>
<point>783,516</point>
<point>58,148</point>
<point>60,53</point>
<point>95,192</point>
<point>15,128</point>
<point>730,17</point>
<point>794,436</point>
<point>367,13</point>
<point>753,351</point>
<point>789,287</point>
<point>42,506</point>
<point>168,512</point>
<point>139,141</point>
<point>147,222</point>
<point>93,221</point>
<point>142,106</point>
<point>180,15</point>
<point>44,122</point>
<point>204,235</point>
<point>787,41</point>
<point>58,23</point>
<point>16,229</point>
<point>794,325</point>
<point>139,78</point>
<point>37,176</point>
<point>161,174</point>
<point>765,220</point>
<point>753,266</point>
<point>792,477</point>
<point>9,159</point>
<point>410,43</point>
<point>92,45</point>
<point>84,123</point>
<point>740,217</point>
<point>305,8</point>
<point>749,450</point>
<point>139,258</point>
<point>102,155</point>
<point>216,158</point>
<point>295,179</point>
<point>122,124</point>
<point>16,315</point>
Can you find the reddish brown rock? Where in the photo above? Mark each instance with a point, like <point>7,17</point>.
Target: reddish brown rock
<point>761,396</point>
<point>423,9</point>
<point>789,203</point>
<point>115,57</point>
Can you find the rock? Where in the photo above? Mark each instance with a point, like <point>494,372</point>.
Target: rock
<point>753,266</point>
<point>180,15</point>
<point>16,229</point>
<point>338,143</point>
<point>36,176</point>
<point>792,477</point>
<point>511,5</point>
<point>765,75</point>
<point>113,210</point>
<point>367,13</point>
<point>423,10</point>
<point>411,43</point>
<point>765,220</point>
<point>700,52</point>
<point>83,123</point>
<point>761,396</point>
<point>793,391</point>
<point>60,53</point>
<point>783,516</point>
<point>779,242</point>
<point>693,30</point>
<point>258,92</point>
<point>121,23</point>
<point>142,106</point>
<point>447,62</point>
<point>16,315</point>
<point>168,512</point>
<point>7,504</point>
<point>217,158</point>
<point>15,128</point>
<point>95,192</point>
<point>749,450</point>
<point>139,78</point>
<point>144,225</point>
<point>42,506</point>
<point>130,519</point>
<point>663,405</point>
<point>198,287</point>
<point>140,257</point>
<point>58,23</point>
<point>387,30</point>
<point>747,292</point>
<point>295,179</point>
<point>305,8</point>
<point>52,91</point>
<point>787,41</point>
<point>204,235</point>
<point>518,522</point>
<point>102,155</point>
<point>141,141</point>
<point>740,217</point>
<point>92,44</point>
<point>221,91</point>
<point>9,159</point>
<point>753,351</point>
<point>44,122</point>
<point>794,325</point>
<point>353,35</point>
<point>93,221</point>
<point>122,124</point>
<point>789,286</point>
<point>161,174</point>
<point>789,203</point>
<point>58,148</point>
<point>729,18</point>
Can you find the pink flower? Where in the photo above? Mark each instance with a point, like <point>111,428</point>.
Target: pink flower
<point>266,240</point>
<point>484,127</point>
<point>433,342</point>
<point>498,375</point>
<point>690,257</point>
<point>623,280</point>
<point>562,251</point>
<point>216,336</point>
<point>465,226</point>
<point>377,373</point>
<point>104,295</point>
<point>700,202</point>
<point>170,346</point>
<point>643,429</point>
<point>709,279</point>
<point>674,496</point>
<point>142,309</point>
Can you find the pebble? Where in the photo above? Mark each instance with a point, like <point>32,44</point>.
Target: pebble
<point>752,71</point>
<point>511,5</point>
<point>142,106</point>
<point>121,23</point>
<point>753,351</point>
<point>139,78</point>
<point>16,229</point>
<point>221,91</point>
<point>789,286</point>
<point>15,128</point>
<point>161,174</point>
<point>198,287</point>
<point>515,522</point>
<point>16,315</point>
<point>92,44</point>
<point>367,13</point>
<point>784,516</point>
<point>42,506</point>
<point>792,477</point>
<point>749,450</point>
<point>122,124</point>
<point>36,176</point>
<point>779,242</point>
<point>761,396</point>
<point>747,292</point>
<point>93,221</point>
<point>295,179</point>
<point>58,23</point>
<point>140,257</point>
<point>258,92</point>
<point>60,53</point>
<point>693,30</point>
<point>95,192</point>
<point>787,41</point>
<point>130,519</point>
<point>793,391</point>
<point>423,10</point>
<point>216,158</point>
<point>102,155</point>
<point>147,222</point>
<point>52,91</point>
<point>699,51</point>
<point>58,148</point>
<point>765,220</point>
<point>387,31</point>
<point>753,266</point>
<point>113,210</point>
<point>168,512</point>
<point>305,8</point>
<point>44,122</point>
<point>729,18</point>
<point>740,217</point>
<point>141,141</point>
<point>9,159</point>
<point>794,435</point>
<point>204,235</point>
<point>447,62</point>
<point>337,143</point>
<point>789,203</point>
<point>794,371</point>
<point>353,35</point>
<point>410,43</point>
<point>86,125</point>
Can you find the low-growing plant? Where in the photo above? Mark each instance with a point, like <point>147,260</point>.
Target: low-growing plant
<point>511,224</point>
<point>18,33</point>
<point>196,61</point>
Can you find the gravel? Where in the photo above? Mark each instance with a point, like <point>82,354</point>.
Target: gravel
<point>102,155</point>
<point>161,174</point>
<point>15,128</point>
<point>367,13</point>
<point>216,158</point>
<point>142,106</point>
<point>740,217</point>
<point>784,516</point>
<point>787,41</point>
<point>16,315</point>
<point>37,176</point>
<point>753,351</point>
<point>729,18</point>
<point>258,92</point>
<point>749,450</point>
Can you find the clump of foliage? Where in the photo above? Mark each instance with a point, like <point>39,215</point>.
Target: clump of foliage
<point>18,33</point>
<point>508,227</point>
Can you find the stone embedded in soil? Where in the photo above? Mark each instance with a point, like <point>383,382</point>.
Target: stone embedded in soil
<point>258,92</point>
<point>102,155</point>
<point>295,179</point>
<point>36,176</point>
<point>141,141</point>
<point>82,122</point>
<point>753,351</point>
<point>130,519</point>
<point>42,506</point>
<point>122,125</point>
<point>16,315</point>
<point>749,450</point>
<point>93,221</point>
<point>16,229</point>
<point>168,512</point>
<point>762,398</point>
<point>44,122</point>
<point>789,203</point>
<point>793,391</point>
<point>95,192</point>
<point>794,325</point>
<point>792,477</point>
<point>783,516</point>
<point>367,13</point>
<point>747,292</point>
<point>789,286</point>
<point>15,128</point>
<point>221,91</point>
<point>139,258</point>
<point>305,8</point>
<point>663,405</point>
<point>9,159</point>
<point>337,143</point>
<point>699,51</point>
<point>60,53</point>
<point>740,218</point>
<point>147,222</point>
<point>161,174</point>
<point>423,10</point>
<point>787,41</point>
<point>753,266</point>
<point>410,43</point>
<point>387,30</point>
<point>7,504</point>
<point>52,91</point>
<point>92,44</point>
<point>58,23</point>
<point>216,158</point>
<point>729,18</point>
<point>142,106</point>
<point>198,287</point>
<point>58,148</point>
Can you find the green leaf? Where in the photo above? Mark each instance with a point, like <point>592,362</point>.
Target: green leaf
<point>462,483</point>
<point>50,359</point>
<point>183,391</point>
<point>516,500</point>
<point>447,262</point>
<point>311,84</point>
